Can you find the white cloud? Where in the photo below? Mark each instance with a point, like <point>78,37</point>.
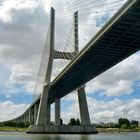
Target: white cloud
<point>7,6</point>
<point>71,97</point>
<point>106,111</point>
<point>118,80</point>
<point>21,43</point>
<point>21,73</point>
<point>99,110</point>
<point>9,110</point>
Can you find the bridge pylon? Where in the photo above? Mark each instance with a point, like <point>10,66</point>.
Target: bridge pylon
<point>41,123</point>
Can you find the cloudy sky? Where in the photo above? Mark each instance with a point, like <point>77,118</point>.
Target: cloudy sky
<point>23,31</point>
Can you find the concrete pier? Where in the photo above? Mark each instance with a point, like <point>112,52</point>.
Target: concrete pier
<point>42,112</point>
<point>84,113</point>
<point>35,113</point>
<point>66,129</point>
<point>57,112</point>
<point>48,114</point>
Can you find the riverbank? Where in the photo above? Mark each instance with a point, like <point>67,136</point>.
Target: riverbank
<point>100,130</point>
<point>113,130</point>
<point>12,129</point>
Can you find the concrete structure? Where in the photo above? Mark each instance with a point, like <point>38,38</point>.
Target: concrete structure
<point>57,112</point>
<point>85,120</point>
<point>42,124</point>
<point>117,40</point>
<point>66,129</point>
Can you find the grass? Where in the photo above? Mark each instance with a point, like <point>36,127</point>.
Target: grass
<point>14,129</point>
<point>17,129</point>
<point>117,130</point>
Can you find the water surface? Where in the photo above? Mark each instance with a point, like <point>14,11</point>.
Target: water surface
<point>101,136</point>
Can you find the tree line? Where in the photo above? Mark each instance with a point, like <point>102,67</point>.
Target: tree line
<point>13,124</point>
<point>123,123</point>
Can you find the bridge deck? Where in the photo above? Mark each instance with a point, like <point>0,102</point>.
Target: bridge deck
<point>117,40</point>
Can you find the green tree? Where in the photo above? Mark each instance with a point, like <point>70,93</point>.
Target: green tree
<point>72,121</point>
<point>77,121</point>
<point>61,122</point>
<point>123,121</point>
<point>133,126</point>
<point>124,126</point>
<point>116,125</point>
<point>136,123</point>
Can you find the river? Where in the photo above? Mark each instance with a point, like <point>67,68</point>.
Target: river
<point>101,136</point>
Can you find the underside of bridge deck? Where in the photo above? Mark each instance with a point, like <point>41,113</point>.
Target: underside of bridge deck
<point>117,40</point>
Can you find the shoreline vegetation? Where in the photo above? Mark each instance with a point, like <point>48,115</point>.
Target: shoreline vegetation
<point>12,129</point>
<point>114,130</point>
<point>123,125</point>
<point>100,130</point>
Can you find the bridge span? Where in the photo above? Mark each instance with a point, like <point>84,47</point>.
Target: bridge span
<point>116,41</point>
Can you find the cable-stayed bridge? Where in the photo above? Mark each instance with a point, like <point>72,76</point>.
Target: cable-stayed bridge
<point>117,40</point>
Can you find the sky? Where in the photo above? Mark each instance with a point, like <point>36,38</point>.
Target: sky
<point>23,31</point>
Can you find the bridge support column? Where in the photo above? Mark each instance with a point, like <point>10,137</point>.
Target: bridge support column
<point>43,115</point>
<point>48,117</point>
<point>57,111</point>
<point>24,117</point>
<point>30,116</point>
<point>27,121</point>
<point>35,113</point>
<point>84,114</point>
<point>42,112</point>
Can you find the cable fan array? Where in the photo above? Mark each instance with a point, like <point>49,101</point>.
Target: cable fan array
<point>92,16</point>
